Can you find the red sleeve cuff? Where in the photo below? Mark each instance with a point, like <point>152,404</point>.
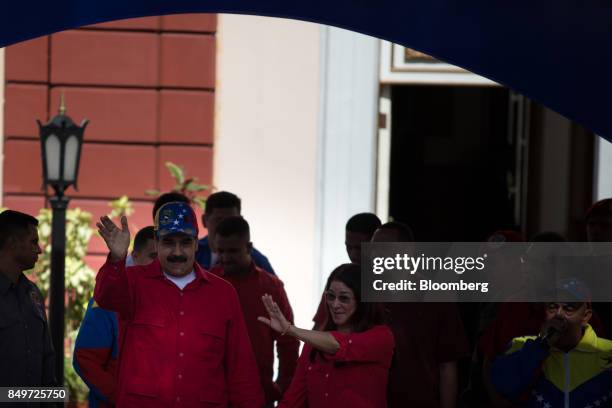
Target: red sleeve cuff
<point>116,264</point>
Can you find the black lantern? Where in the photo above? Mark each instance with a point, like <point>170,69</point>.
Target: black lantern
<point>60,142</point>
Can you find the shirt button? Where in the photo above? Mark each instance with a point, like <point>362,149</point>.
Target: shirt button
<point>326,375</point>
<point>180,376</point>
<point>181,354</point>
<point>181,293</point>
<point>326,395</point>
<point>178,399</point>
<point>309,368</point>
<point>181,313</point>
<point>350,341</point>
<point>182,334</point>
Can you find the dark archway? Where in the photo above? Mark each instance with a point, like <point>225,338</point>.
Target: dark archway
<point>557,54</point>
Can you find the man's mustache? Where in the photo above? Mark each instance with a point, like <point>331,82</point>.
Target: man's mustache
<point>176,259</point>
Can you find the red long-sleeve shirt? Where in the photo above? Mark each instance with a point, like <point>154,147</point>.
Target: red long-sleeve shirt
<point>251,287</point>
<point>354,377</point>
<point>182,348</point>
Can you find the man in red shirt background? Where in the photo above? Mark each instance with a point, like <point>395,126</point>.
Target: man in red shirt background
<point>233,244</point>
<point>429,341</point>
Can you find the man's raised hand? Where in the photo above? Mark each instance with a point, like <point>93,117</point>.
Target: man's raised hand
<point>117,239</point>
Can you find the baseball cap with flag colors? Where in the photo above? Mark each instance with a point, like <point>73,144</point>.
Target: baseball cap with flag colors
<point>176,217</point>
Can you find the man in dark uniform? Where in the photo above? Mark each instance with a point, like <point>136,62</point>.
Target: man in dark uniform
<point>26,352</point>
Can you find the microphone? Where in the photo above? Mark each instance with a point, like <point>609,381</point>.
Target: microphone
<point>549,333</point>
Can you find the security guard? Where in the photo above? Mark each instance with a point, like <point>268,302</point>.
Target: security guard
<point>26,352</point>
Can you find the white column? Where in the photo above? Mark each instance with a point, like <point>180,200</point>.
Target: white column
<point>347,148</point>
<point>383,173</point>
<point>603,169</point>
<point>267,106</point>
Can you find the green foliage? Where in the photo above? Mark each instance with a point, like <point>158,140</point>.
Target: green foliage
<point>188,186</point>
<point>79,281</point>
<point>177,173</point>
<point>120,207</point>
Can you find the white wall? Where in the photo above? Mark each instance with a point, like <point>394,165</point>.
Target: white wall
<point>267,107</point>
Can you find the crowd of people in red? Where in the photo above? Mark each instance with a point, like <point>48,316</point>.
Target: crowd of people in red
<point>164,329</point>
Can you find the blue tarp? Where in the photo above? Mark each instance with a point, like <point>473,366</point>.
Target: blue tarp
<point>557,53</point>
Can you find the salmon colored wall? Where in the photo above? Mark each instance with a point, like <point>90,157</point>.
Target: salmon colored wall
<point>146,85</point>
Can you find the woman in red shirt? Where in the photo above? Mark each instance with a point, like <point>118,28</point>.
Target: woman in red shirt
<point>346,364</point>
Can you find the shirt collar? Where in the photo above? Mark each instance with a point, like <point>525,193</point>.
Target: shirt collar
<point>153,270</point>
<point>191,276</point>
<point>200,272</point>
<point>588,342</point>
<point>6,284</point>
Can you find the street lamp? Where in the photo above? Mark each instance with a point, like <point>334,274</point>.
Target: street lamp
<point>60,142</point>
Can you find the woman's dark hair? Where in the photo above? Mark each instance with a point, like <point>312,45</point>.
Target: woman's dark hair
<point>367,314</point>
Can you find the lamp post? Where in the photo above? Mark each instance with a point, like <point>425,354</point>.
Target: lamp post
<point>60,142</point>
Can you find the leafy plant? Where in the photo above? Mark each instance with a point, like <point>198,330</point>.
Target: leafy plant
<point>187,186</point>
<point>79,282</point>
<point>120,207</point>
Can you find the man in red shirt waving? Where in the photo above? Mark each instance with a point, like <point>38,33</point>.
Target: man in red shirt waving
<point>186,341</point>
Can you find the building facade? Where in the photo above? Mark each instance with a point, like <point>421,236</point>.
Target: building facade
<point>308,124</point>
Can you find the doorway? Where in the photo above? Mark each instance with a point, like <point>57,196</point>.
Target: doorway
<point>453,170</point>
